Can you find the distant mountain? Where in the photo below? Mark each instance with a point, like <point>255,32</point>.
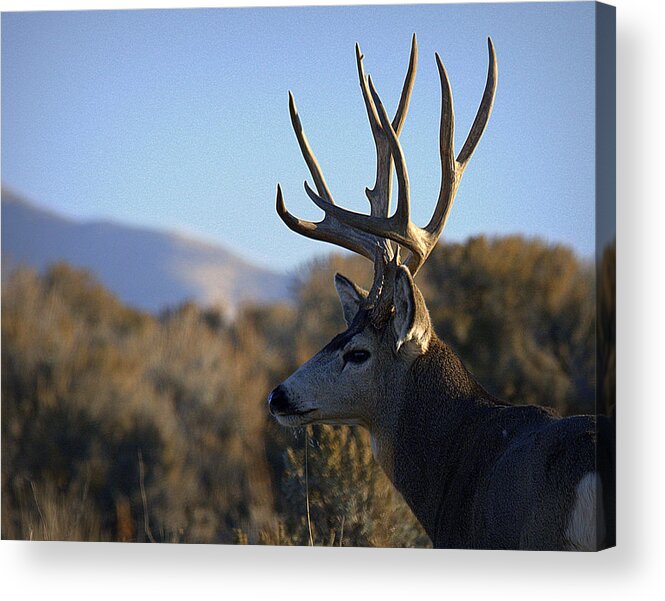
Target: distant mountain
<point>148,269</point>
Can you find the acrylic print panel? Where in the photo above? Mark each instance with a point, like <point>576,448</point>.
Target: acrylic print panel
<point>180,362</point>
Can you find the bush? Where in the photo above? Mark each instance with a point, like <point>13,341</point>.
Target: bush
<point>121,425</point>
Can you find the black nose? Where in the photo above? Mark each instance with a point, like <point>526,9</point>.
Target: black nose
<point>278,400</point>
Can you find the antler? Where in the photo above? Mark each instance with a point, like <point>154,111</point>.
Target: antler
<point>399,227</point>
<point>376,248</point>
<point>370,235</point>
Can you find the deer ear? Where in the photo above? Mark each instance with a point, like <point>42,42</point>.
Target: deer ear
<point>411,322</point>
<point>350,295</point>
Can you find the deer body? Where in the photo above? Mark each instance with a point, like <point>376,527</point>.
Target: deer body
<point>481,474</point>
<point>477,473</point>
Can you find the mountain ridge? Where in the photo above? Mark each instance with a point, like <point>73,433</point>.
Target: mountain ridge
<point>174,267</point>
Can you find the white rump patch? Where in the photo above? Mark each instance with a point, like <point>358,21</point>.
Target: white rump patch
<point>586,524</point>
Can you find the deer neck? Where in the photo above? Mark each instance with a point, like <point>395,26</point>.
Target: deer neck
<point>416,441</point>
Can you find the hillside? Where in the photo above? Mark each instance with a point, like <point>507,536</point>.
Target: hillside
<point>147,269</point>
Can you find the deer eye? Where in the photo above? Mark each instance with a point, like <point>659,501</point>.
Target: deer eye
<point>356,356</point>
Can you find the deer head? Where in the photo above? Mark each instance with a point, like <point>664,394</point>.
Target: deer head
<point>349,380</point>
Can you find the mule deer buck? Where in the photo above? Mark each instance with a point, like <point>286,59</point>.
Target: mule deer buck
<point>476,472</point>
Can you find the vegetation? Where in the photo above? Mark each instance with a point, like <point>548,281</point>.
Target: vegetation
<point>121,425</point>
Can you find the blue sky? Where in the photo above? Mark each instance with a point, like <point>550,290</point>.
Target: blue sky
<point>178,119</point>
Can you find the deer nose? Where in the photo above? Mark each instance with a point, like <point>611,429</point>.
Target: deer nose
<point>278,400</point>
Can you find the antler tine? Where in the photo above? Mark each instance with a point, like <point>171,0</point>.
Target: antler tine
<point>405,97</point>
<point>449,179</point>
<point>308,154</point>
<point>451,169</point>
<point>484,110</point>
<point>379,195</point>
<point>400,219</point>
